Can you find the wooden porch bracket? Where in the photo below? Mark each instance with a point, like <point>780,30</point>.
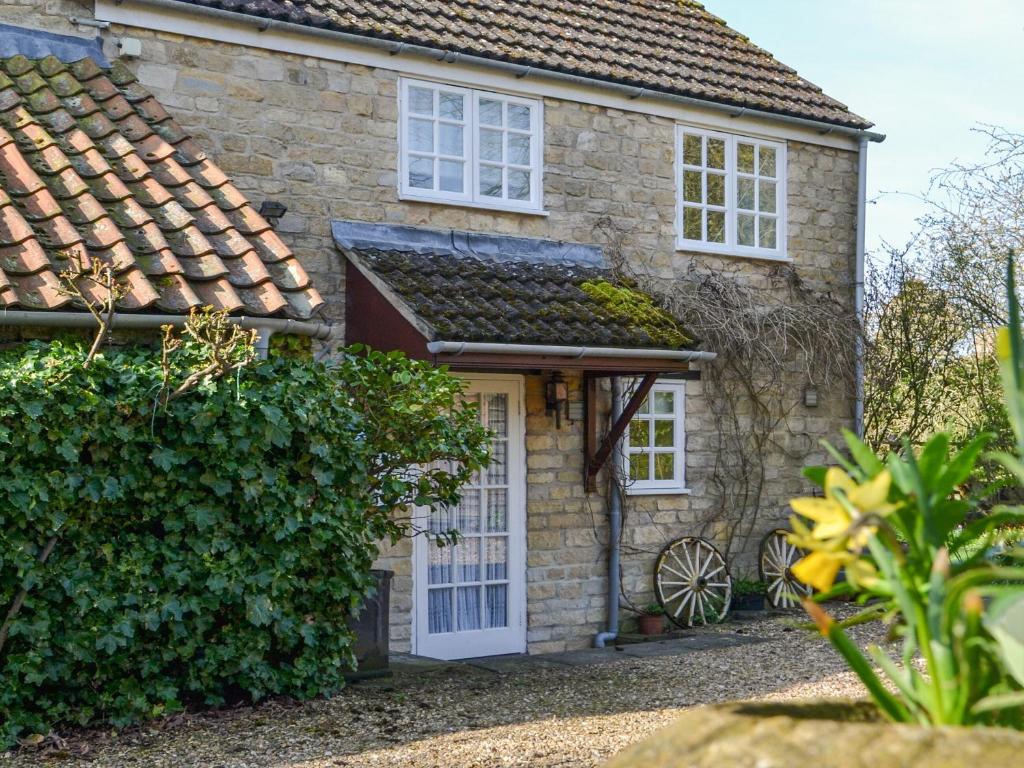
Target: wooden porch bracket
<point>594,459</point>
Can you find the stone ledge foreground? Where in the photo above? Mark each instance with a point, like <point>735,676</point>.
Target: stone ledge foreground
<point>818,734</point>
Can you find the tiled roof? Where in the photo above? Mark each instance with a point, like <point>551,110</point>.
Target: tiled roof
<point>93,167</point>
<point>464,298</point>
<point>673,46</point>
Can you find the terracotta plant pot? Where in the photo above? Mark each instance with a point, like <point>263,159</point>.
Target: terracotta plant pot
<point>651,625</point>
<point>813,734</point>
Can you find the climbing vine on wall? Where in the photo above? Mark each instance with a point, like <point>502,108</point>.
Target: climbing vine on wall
<point>775,334</point>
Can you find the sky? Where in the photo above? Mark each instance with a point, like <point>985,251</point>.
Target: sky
<point>926,72</point>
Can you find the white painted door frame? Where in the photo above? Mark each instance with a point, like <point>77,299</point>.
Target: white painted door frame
<point>468,643</point>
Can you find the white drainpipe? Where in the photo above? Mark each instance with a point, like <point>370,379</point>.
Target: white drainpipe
<point>858,288</point>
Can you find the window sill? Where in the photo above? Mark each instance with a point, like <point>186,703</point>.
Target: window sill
<point>730,253</point>
<point>630,491</point>
<point>478,206</point>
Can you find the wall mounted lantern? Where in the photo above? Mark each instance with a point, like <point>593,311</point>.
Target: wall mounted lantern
<point>556,396</point>
<point>272,211</point>
<point>811,396</point>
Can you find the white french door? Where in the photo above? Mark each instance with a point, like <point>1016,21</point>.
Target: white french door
<point>470,597</point>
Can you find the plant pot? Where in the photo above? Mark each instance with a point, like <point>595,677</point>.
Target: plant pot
<point>747,603</point>
<point>650,625</point>
<point>837,734</point>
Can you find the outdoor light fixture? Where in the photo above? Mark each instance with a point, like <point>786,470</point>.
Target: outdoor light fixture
<point>557,397</point>
<point>811,397</point>
<point>272,211</point>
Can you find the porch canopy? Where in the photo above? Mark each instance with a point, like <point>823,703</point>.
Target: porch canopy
<point>500,303</point>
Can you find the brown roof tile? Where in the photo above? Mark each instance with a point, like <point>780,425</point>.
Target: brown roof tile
<point>93,167</point>
<point>672,46</point>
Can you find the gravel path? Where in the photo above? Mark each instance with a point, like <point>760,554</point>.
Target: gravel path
<point>463,717</point>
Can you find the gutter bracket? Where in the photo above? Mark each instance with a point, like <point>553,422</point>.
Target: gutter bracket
<point>592,463</point>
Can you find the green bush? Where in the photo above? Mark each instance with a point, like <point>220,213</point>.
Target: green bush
<point>209,548</point>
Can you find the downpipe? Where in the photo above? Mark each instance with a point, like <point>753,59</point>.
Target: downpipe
<point>614,527</point>
<point>858,288</point>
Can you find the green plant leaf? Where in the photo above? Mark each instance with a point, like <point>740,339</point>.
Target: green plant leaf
<point>1005,622</point>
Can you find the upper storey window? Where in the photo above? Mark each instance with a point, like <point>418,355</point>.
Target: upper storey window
<point>470,147</point>
<point>732,194</point>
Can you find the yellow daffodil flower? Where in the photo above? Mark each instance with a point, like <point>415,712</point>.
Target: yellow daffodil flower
<point>836,539</point>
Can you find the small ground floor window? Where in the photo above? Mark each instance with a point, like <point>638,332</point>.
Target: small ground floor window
<point>654,446</point>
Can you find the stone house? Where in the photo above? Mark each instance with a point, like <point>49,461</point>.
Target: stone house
<point>499,188</point>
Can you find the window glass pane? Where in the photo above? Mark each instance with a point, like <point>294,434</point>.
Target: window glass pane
<point>745,158</point>
<point>745,229</point>
<point>490,145</point>
<point>490,181</point>
<point>497,470</point>
<point>692,224</point>
<point>645,406</point>
<point>468,515</point>
<point>496,558</point>
<point>518,149</point>
<point>716,226</point>
<point>716,189</point>
<point>452,106</point>
<point>421,101</point>
<point>692,146</point>
<point>439,611</point>
<point>766,196</point>
<point>745,194</point>
<point>639,466</point>
<point>439,562</point>
<point>640,433</point>
<point>468,600</point>
<point>766,158</point>
<point>664,466</point>
<point>766,233</point>
<point>442,519</point>
<point>467,560</point>
<point>664,433</point>
<point>664,402</point>
<point>451,172</point>
<point>451,139</point>
<point>716,154</point>
<point>421,135</point>
<point>497,605</point>
<point>421,172</point>
<point>497,414</point>
<point>692,192</point>
<point>518,185</point>
<point>490,112</point>
<point>519,117</point>
<point>497,510</point>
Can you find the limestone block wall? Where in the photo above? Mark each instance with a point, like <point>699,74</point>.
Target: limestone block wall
<point>321,136</point>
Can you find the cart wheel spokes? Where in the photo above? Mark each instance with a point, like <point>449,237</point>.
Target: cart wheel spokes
<point>692,582</point>
<point>777,559</point>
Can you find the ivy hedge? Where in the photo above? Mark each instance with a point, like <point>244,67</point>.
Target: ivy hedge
<point>205,549</point>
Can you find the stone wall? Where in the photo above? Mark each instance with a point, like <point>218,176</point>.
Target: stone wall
<point>321,137</point>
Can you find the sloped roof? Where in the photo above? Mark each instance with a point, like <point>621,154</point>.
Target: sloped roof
<point>673,46</point>
<point>93,167</point>
<point>484,289</point>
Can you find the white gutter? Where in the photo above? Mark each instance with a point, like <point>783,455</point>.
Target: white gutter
<point>519,70</point>
<point>858,286</point>
<point>266,325</point>
<point>486,348</point>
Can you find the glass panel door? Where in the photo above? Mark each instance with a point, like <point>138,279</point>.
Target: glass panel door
<point>472,589</point>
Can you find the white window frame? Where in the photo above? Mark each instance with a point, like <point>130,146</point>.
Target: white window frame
<point>665,487</point>
<point>731,247</point>
<point>470,195</point>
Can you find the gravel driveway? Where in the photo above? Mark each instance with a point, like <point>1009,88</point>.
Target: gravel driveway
<point>533,714</point>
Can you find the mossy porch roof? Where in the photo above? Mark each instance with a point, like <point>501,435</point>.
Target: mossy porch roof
<point>465,298</point>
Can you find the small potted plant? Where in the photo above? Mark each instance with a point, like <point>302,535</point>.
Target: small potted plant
<point>651,620</point>
<point>748,595</point>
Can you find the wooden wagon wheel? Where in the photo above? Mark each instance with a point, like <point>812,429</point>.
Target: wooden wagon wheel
<point>776,561</point>
<point>692,582</point>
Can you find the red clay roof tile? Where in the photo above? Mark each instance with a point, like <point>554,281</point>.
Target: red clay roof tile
<point>93,167</point>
